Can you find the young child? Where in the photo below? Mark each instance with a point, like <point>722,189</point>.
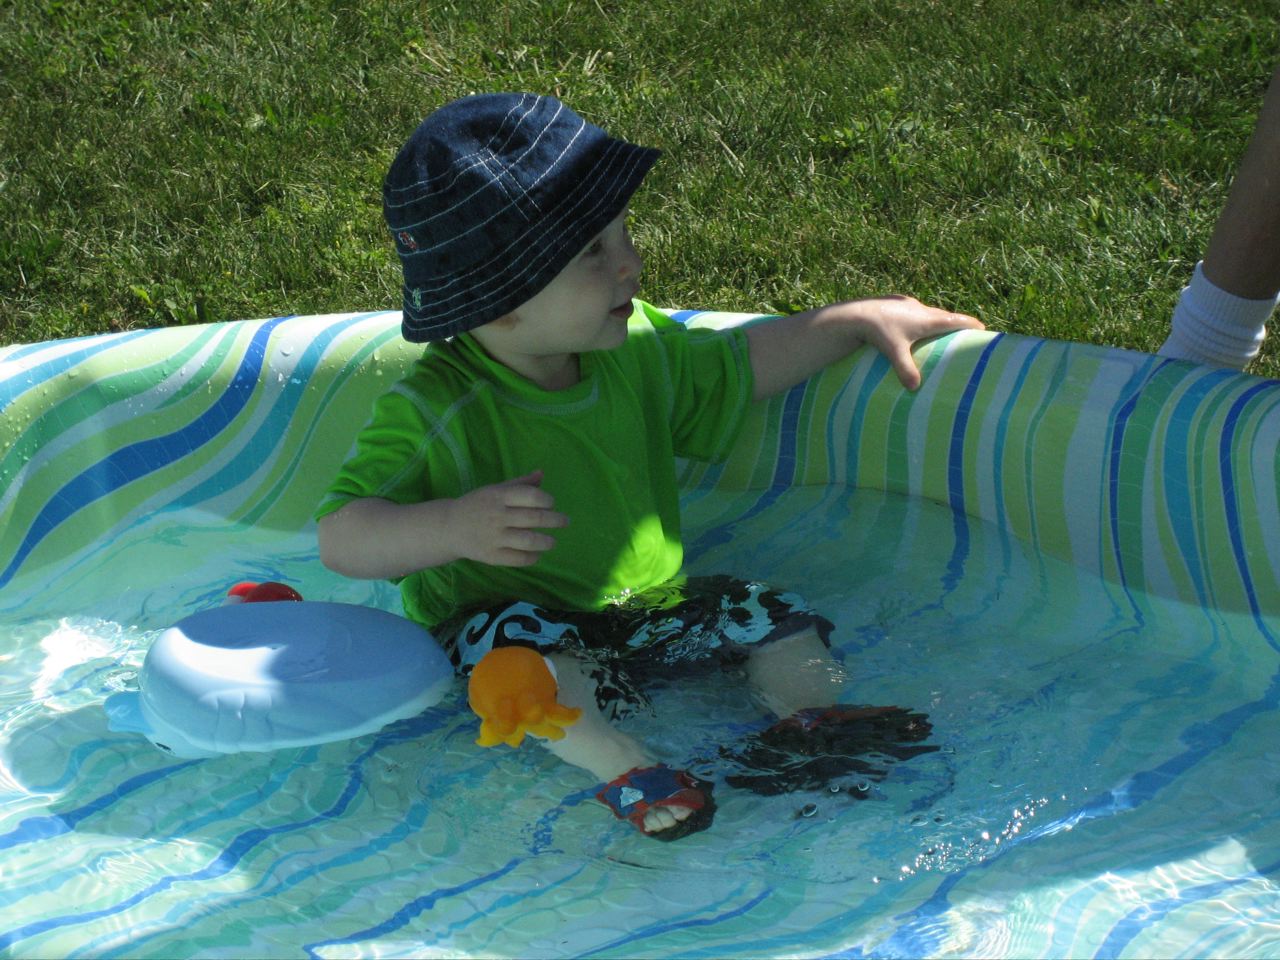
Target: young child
<point>520,481</point>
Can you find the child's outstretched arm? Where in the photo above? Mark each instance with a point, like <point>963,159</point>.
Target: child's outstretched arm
<point>500,524</point>
<point>791,349</point>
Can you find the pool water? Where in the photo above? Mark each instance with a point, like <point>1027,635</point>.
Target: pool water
<point>1106,783</point>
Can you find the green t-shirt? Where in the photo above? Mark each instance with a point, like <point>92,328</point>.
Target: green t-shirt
<point>607,447</point>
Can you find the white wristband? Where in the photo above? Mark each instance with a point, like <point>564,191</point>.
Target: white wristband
<point>1215,327</point>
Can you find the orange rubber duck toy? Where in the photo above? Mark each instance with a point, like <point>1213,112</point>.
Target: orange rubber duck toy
<point>513,692</point>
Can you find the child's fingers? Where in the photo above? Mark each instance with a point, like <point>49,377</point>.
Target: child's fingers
<point>535,517</point>
<point>528,506</point>
<point>904,365</point>
<point>522,547</point>
<point>961,321</point>
<point>509,557</point>
<point>523,491</point>
<point>529,541</point>
<point>515,548</point>
<point>931,321</point>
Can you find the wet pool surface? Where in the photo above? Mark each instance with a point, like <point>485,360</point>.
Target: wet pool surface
<point>1104,785</point>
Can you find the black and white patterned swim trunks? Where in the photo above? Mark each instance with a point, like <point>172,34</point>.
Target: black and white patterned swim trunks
<point>654,633</point>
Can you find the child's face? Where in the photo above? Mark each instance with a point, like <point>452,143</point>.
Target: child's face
<point>584,308</point>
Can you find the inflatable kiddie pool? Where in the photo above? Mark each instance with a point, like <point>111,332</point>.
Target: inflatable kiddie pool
<point>1068,555</point>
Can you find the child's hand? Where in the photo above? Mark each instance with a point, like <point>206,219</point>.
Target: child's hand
<point>500,524</point>
<point>892,324</point>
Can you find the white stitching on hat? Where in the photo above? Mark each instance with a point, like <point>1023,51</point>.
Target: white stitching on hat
<point>474,227</point>
<point>530,243</point>
<point>481,162</point>
<point>513,201</point>
<point>488,146</point>
<point>443,322</point>
<point>593,176</point>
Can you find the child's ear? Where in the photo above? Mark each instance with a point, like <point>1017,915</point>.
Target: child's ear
<point>507,320</point>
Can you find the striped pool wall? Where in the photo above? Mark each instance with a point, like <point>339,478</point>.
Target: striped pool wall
<point>1162,476</point>
<point>246,420</point>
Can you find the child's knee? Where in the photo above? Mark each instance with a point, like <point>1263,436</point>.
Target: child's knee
<point>513,691</point>
<point>800,646</point>
<point>573,678</point>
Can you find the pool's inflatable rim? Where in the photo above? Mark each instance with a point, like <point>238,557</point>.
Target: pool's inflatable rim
<point>1158,474</point>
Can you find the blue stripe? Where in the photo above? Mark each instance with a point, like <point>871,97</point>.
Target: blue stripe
<point>544,886</point>
<point>870,382</point>
<point>657,929</point>
<point>955,469</point>
<point>413,821</point>
<point>52,825</point>
<point>1119,420</point>
<point>229,858</point>
<point>542,837</point>
<point>1230,502</point>
<point>313,360</point>
<point>259,448</point>
<point>1001,420</point>
<point>783,473</point>
<point>1002,431</point>
<point>1142,787</point>
<point>1146,915</point>
<point>226,811</point>
<point>1177,452</point>
<point>76,758</point>
<point>414,907</point>
<point>1048,398</point>
<point>137,460</point>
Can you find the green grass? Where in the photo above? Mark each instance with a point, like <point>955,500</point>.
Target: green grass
<point>1053,167</point>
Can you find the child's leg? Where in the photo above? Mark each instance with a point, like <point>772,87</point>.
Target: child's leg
<point>818,739</point>
<point>594,744</point>
<point>591,742</point>
<point>701,618</point>
<point>796,672</point>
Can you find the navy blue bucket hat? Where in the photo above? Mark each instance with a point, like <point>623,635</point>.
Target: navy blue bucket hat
<point>492,196</point>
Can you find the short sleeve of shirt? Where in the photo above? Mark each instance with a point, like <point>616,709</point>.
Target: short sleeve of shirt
<point>389,460</point>
<point>711,381</point>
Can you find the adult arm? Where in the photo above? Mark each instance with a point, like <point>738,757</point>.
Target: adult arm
<point>1222,313</point>
<point>1243,257</point>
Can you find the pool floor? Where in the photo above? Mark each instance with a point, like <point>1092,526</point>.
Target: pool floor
<point>1106,782</point>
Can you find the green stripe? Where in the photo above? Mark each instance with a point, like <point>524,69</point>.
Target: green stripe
<point>1047,485</point>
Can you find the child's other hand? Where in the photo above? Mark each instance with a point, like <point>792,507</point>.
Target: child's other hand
<point>500,524</point>
<point>892,324</point>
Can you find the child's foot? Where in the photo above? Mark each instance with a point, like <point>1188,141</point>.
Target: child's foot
<point>850,729</point>
<point>662,803</point>
<point>817,745</point>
